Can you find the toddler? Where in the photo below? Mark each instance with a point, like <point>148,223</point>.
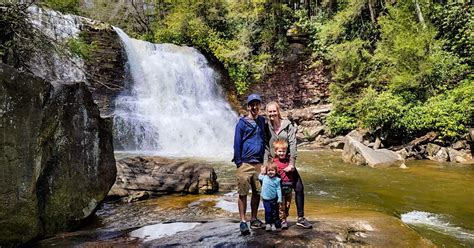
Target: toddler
<point>271,195</point>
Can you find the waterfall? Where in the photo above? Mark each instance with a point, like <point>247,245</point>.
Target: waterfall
<point>174,106</point>
<point>50,65</point>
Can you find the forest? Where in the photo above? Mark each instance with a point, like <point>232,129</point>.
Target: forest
<point>400,68</point>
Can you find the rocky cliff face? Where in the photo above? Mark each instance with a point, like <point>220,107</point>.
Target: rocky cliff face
<point>56,160</point>
<point>103,70</point>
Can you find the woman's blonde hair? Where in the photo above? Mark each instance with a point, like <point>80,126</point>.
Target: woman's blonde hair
<point>277,107</point>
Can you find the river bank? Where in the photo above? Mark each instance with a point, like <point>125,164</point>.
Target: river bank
<point>348,205</point>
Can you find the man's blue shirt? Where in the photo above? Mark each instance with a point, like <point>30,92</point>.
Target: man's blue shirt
<point>249,141</point>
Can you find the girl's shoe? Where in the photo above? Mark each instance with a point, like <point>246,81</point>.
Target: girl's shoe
<point>268,227</point>
<point>273,228</point>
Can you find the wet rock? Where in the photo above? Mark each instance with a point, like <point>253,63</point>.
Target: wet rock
<point>355,152</point>
<point>139,196</point>
<point>103,70</point>
<point>57,156</point>
<point>158,175</point>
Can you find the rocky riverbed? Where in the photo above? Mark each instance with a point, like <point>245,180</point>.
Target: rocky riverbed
<point>196,220</point>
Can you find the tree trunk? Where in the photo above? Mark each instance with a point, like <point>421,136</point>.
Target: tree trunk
<point>419,14</point>
<point>371,10</point>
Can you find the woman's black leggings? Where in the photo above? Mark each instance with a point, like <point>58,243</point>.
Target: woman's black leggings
<point>299,193</point>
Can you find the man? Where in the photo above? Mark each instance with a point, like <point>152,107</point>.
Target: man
<point>249,149</point>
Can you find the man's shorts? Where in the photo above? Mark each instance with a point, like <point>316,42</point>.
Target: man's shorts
<point>247,178</point>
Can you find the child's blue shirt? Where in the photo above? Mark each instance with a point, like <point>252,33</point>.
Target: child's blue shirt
<point>270,187</point>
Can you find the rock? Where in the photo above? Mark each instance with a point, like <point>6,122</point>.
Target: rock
<point>432,149</point>
<point>139,196</point>
<point>336,145</point>
<point>21,110</point>
<point>459,145</point>
<point>471,134</point>
<point>441,155</point>
<point>321,109</point>
<point>300,115</point>
<point>357,153</point>
<point>57,158</point>
<point>311,133</point>
<point>460,157</point>
<point>103,71</point>
<point>403,153</point>
<point>159,175</point>
<point>360,135</point>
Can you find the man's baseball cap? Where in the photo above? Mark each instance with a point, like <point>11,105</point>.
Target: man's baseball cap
<point>253,97</point>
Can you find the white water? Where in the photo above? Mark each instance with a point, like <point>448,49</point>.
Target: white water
<point>174,107</point>
<point>50,65</point>
<point>438,223</point>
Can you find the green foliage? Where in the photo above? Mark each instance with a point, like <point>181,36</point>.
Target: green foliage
<point>340,122</point>
<point>64,6</point>
<point>80,47</point>
<point>455,23</point>
<point>400,79</point>
<point>449,114</point>
<point>379,110</point>
<point>410,59</point>
<point>242,35</point>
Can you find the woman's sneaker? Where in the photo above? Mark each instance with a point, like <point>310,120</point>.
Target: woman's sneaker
<point>302,222</point>
<point>284,225</point>
<point>256,224</point>
<point>244,229</point>
<point>268,227</point>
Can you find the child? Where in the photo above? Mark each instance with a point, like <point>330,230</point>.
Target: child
<point>271,194</point>
<point>282,161</point>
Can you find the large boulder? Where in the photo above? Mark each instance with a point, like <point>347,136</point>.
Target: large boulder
<point>56,161</point>
<point>357,153</point>
<point>158,175</point>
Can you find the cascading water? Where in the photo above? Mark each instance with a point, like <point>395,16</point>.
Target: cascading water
<point>174,106</point>
<point>55,67</point>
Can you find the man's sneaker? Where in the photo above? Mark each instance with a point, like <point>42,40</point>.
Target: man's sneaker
<point>268,227</point>
<point>256,224</point>
<point>302,222</point>
<point>284,225</point>
<point>244,229</point>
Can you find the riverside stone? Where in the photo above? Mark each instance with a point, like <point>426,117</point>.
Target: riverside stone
<point>56,161</point>
<point>158,175</point>
<point>442,155</point>
<point>355,152</point>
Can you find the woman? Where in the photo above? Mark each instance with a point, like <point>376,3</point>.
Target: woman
<point>282,128</point>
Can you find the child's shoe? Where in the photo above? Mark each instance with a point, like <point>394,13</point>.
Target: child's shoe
<point>268,227</point>
<point>273,228</point>
<point>284,225</point>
